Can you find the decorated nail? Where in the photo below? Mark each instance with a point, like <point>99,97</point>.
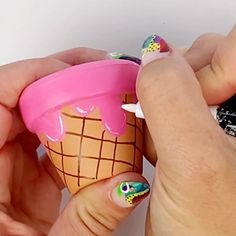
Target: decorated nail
<point>154,47</point>
<point>128,194</point>
<point>117,55</point>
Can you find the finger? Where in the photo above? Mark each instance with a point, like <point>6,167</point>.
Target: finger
<point>6,168</point>
<point>149,150</point>
<point>51,170</point>
<point>13,79</point>
<point>175,110</point>
<point>8,226</point>
<point>198,55</point>
<point>17,126</point>
<point>16,76</point>
<point>202,50</point>
<point>80,55</point>
<point>5,124</point>
<point>218,80</point>
<point>99,208</point>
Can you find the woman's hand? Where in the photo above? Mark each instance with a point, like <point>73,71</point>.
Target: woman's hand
<point>194,190</point>
<point>30,189</point>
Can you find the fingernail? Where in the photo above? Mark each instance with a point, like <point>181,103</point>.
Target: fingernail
<point>128,194</point>
<point>117,55</point>
<point>154,48</point>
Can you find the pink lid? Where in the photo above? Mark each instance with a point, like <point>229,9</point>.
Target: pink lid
<point>86,86</point>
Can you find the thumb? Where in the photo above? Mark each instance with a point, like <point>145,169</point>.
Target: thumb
<point>175,111</point>
<point>99,208</point>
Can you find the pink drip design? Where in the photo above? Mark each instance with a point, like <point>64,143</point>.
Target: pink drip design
<point>99,85</point>
<point>112,115</point>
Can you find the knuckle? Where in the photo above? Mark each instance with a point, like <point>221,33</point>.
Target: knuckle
<point>162,80</point>
<point>41,62</point>
<point>204,39</point>
<point>76,223</point>
<point>103,221</point>
<point>90,220</point>
<point>35,65</point>
<point>218,63</point>
<point>222,67</point>
<point>150,79</point>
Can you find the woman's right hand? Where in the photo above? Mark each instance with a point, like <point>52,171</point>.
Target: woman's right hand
<point>194,190</point>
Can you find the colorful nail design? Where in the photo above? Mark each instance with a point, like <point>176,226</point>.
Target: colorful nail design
<point>226,116</point>
<point>117,55</point>
<point>155,43</point>
<point>132,190</point>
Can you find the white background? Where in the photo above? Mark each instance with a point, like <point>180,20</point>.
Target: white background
<point>32,28</point>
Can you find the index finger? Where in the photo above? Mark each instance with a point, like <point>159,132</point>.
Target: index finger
<point>80,55</point>
<point>217,79</point>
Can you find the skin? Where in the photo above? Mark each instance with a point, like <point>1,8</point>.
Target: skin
<point>194,189</point>
<point>30,189</point>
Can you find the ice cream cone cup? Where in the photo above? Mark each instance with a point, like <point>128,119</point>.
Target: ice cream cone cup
<point>89,137</point>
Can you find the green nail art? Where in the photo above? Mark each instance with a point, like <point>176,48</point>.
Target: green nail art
<point>132,190</point>
<point>117,55</point>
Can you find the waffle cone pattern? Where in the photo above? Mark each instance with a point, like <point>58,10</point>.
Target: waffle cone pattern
<point>89,153</point>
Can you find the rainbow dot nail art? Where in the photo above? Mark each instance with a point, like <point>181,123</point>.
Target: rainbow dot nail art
<point>155,43</point>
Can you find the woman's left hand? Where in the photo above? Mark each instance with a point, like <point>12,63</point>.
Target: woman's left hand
<point>30,189</point>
